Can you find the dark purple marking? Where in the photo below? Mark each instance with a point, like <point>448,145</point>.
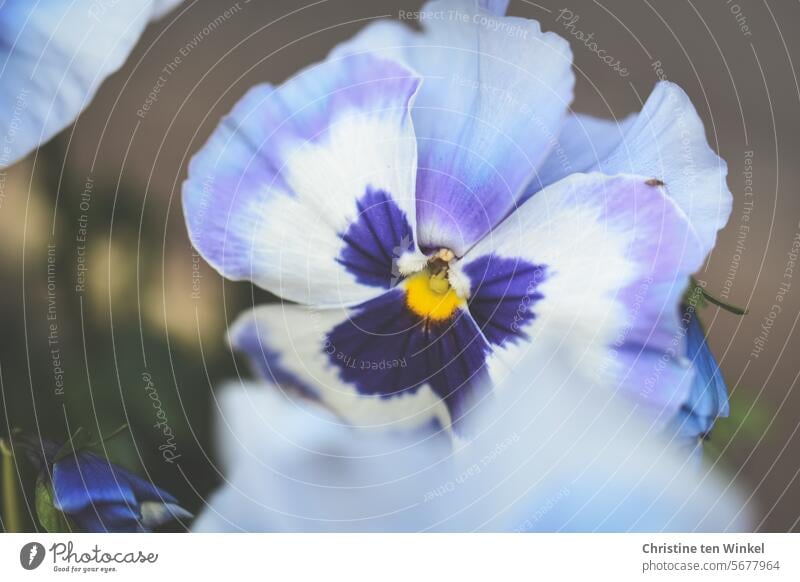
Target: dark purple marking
<point>267,362</point>
<point>378,237</point>
<point>503,293</point>
<point>386,349</point>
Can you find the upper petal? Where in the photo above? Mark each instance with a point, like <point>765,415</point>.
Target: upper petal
<point>54,54</point>
<point>496,90</point>
<point>583,142</point>
<point>614,257</point>
<point>667,141</point>
<point>308,189</point>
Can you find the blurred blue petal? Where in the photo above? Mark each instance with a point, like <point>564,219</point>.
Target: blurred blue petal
<point>98,496</point>
<point>708,397</point>
<point>54,54</point>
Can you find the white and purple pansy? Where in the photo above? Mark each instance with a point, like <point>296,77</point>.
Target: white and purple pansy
<point>54,54</point>
<point>403,194</point>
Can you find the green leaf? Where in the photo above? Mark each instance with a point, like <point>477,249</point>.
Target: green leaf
<point>52,520</point>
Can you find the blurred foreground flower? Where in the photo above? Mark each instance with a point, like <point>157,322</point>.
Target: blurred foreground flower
<point>417,193</point>
<point>78,490</point>
<point>571,457</point>
<point>54,54</point>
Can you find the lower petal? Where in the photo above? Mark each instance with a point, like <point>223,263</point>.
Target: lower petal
<point>378,363</point>
<point>386,349</point>
<point>288,346</point>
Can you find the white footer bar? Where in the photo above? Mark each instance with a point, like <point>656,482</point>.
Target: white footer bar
<point>406,557</point>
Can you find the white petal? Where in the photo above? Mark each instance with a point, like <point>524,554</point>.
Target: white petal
<point>308,189</point>
<point>616,254</point>
<point>54,54</point>
<point>292,468</point>
<point>288,346</point>
<point>667,141</point>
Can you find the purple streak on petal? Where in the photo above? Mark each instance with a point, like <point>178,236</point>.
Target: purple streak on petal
<point>666,258</point>
<point>267,362</point>
<point>386,349</point>
<point>503,293</point>
<point>380,235</point>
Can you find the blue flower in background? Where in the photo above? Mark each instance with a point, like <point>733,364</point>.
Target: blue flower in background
<point>54,54</point>
<point>708,397</point>
<point>83,491</point>
<point>435,214</point>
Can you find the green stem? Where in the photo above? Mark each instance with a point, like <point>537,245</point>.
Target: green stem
<point>11,509</point>
<point>711,299</point>
<point>115,433</point>
<point>726,306</point>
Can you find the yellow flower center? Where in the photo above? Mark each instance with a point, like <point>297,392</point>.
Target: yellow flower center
<point>430,295</point>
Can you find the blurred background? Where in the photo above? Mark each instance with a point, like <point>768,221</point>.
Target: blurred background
<point>107,311</point>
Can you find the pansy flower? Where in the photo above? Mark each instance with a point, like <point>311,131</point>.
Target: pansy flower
<point>433,213</point>
<point>54,54</point>
<point>82,491</point>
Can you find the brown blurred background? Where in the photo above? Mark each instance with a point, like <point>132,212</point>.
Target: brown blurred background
<point>142,313</point>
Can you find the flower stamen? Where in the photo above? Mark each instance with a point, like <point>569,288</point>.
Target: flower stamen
<point>428,292</point>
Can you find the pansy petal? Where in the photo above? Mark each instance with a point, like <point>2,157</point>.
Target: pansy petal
<point>495,92</point>
<point>708,396</point>
<point>291,468</point>
<point>593,263</point>
<point>667,141</point>
<point>576,457</point>
<point>308,189</point>
<point>82,480</point>
<point>385,349</point>
<point>374,365</point>
<point>498,7</point>
<point>583,142</point>
<point>654,377</point>
<point>143,489</point>
<point>162,7</point>
<point>155,513</point>
<point>109,518</point>
<point>54,54</point>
